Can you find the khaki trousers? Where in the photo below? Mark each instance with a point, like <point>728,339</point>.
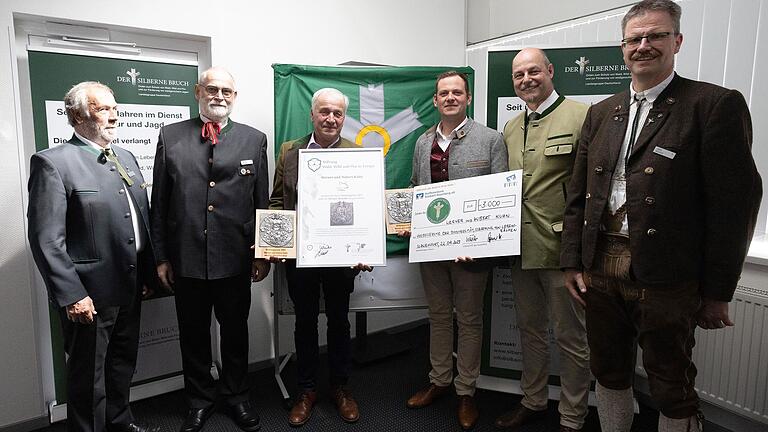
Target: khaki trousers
<point>541,297</point>
<point>449,285</point>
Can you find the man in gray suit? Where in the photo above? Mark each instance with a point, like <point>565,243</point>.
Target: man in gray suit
<point>88,230</point>
<point>455,148</point>
<point>210,176</point>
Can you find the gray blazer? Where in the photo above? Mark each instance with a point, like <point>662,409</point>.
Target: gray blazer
<point>80,228</point>
<point>477,150</point>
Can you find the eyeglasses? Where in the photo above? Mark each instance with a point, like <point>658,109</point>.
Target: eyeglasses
<point>214,91</point>
<point>634,41</point>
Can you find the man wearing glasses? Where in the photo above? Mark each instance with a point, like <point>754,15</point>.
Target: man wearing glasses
<point>210,176</point>
<point>659,214</point>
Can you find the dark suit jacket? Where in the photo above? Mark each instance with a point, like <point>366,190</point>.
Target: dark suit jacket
<point>287,172</point>
<point>203,214</point>
<point>691,216</point>
<point>80,228</point>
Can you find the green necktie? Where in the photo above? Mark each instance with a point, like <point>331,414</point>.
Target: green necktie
<point>112,157</point>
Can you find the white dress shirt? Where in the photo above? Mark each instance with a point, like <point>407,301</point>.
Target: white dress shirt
<point>444,141</point>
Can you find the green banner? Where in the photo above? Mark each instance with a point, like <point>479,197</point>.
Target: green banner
<point>585,74</point>
<point>389,107</point>
<point>149,96</point>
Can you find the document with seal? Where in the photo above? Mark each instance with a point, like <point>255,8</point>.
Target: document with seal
<point>340,208</point>
<point>398,209</point>
<point>476,217</point>
<point>275,233</point>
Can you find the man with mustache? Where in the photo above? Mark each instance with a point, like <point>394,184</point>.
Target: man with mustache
<point>89,233</point>
<point>457,147</point>
<point>660,211</point>
<point>210,176</point>
<point>542,141</point>
<point>327,113</point>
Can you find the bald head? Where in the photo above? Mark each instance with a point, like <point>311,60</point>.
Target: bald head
<point>532,75</point>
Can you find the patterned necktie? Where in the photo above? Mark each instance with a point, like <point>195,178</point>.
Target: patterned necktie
<point>211,131</point>
<point>112,157</point>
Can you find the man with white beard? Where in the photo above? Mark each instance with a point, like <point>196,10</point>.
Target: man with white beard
<point>210,176</point>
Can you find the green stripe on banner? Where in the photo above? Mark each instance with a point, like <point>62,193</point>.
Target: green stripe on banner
<point>389,107</point>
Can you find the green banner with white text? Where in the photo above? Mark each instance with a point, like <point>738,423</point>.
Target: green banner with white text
<point>389,107</point>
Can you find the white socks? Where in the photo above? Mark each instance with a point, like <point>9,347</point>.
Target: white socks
<point>689,424</point>
<point>616,409</point>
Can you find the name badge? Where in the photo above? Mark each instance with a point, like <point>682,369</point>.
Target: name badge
<point>245,162</point>
<point>669,154</point>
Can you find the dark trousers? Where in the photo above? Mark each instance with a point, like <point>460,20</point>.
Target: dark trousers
<point>230,301</point>
<point>304,285</point>
<point>100,366</point>
<point>622,312</point>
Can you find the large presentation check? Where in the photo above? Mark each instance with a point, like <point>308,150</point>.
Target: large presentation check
<point>341,208</point>
<point>476,217</point>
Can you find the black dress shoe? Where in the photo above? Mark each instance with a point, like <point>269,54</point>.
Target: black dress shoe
<point>245,416</point>
<point>133,427</point>
<point>196,418</point>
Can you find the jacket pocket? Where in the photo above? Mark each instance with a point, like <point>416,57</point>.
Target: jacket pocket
<point>559,148</point>
<point>81,237</point>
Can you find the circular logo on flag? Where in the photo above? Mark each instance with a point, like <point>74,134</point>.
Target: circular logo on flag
<point>438,210</point>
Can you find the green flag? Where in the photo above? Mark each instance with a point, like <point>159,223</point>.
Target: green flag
<point>389,107</point>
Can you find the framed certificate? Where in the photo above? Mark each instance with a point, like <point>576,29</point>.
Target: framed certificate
<point>476,217</point>
<point>399,203</point>
<point>340,208</point>
<point>275,233</point>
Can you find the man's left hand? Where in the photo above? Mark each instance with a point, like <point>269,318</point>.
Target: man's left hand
<point>259,269</point>
<point>363,267</point>
<point>146,292</point>
<point>713,314</point>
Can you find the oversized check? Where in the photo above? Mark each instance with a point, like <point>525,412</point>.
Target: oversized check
<point>477,217</point>
<point>340,208</point>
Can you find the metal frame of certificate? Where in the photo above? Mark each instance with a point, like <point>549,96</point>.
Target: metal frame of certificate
<point>340,208</point>
<point>476,217</point>
<point>275,233</point>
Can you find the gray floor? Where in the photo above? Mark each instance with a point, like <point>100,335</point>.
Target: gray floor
<point>381,390</point>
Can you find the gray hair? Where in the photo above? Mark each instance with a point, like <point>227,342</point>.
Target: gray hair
<point>330,91</point>
<point>204,75</point>
<point>76,100</point>
<point>671,8</point>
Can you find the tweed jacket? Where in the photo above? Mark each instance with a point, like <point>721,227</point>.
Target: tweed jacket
<point>203,212</point>
<point>693,189</point>
<point>80,229</point>
<point>284,186</point>
<point>476,150</point>
<point>545,153</point>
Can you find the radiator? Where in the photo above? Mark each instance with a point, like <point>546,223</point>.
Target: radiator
<point>733,363</point>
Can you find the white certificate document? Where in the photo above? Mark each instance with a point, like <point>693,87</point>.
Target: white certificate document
<point>340,208</point>
<point>476,217</point>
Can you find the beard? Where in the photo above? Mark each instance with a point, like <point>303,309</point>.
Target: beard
<point>99,133</point>
<point>216,113</point>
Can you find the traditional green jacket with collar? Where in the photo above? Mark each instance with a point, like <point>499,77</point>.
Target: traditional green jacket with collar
<point>545,150</point>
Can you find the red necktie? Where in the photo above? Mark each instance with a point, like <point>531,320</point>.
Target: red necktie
<point>211,131</point>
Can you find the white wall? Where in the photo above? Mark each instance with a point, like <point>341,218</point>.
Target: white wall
<point>246,37</point>
<point>488,19</point>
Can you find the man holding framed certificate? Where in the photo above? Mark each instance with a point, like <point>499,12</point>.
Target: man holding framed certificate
<point>455,148</point>
<point>328,112</point>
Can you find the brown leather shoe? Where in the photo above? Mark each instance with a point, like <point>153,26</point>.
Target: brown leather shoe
<point>467,412</point>
<point>427,395</point>
<point>519,415</point>
<point>346,406</point>
<point>302,408</point>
